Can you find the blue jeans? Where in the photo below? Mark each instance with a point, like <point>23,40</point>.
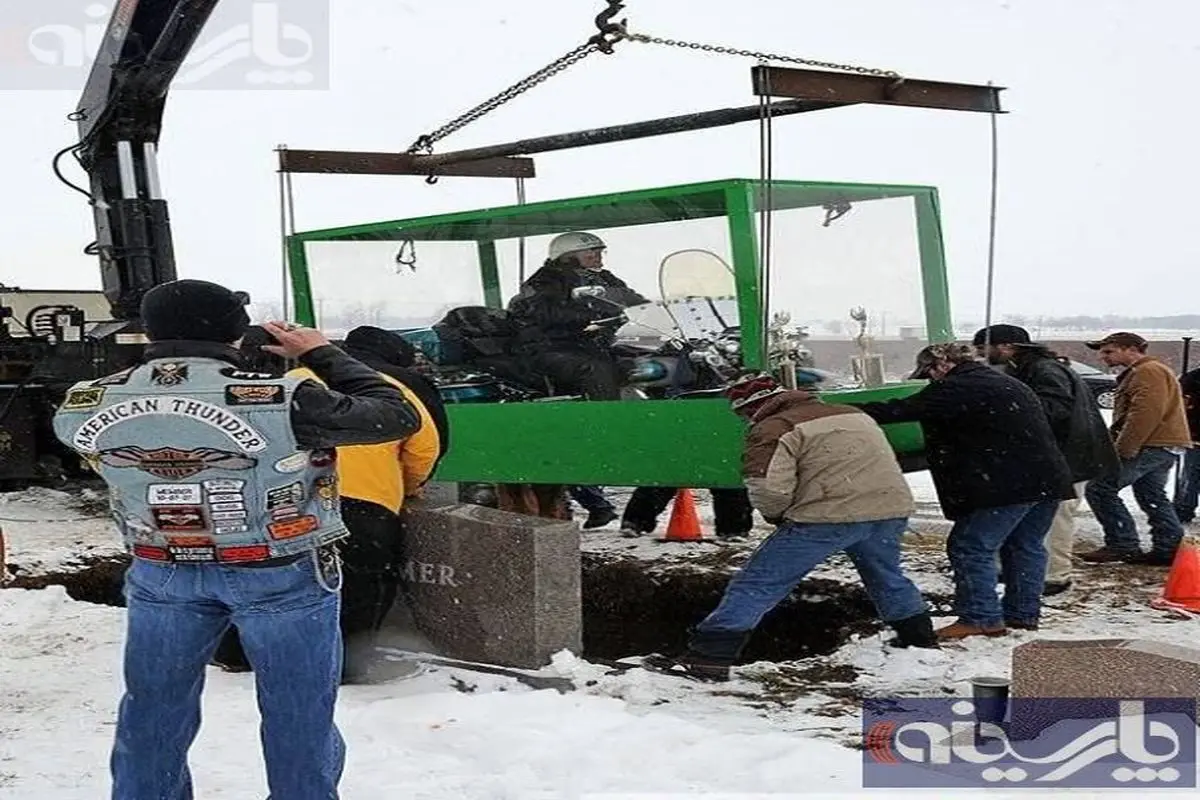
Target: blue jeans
<point>1018,534</point>
<point>794,549</point>
<point>288,623</point>
<point>1147,473</point>
<point>1189,487</point>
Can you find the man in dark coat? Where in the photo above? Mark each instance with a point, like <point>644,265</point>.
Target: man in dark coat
<point>1079,429</point>
<point>561,336</point>
<point>999,477</point>
<point>560,333</point>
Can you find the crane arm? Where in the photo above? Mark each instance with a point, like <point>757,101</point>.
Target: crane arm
<point>120,119</point>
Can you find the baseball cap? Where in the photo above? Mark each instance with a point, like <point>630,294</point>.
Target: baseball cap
<point>1002,334</point>
<point>928,358</point>
<point>1120,339</point>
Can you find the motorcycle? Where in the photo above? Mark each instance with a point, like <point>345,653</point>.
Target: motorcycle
<point>685,344</point>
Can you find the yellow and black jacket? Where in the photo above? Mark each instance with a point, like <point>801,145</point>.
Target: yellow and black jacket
<point>385,474</point>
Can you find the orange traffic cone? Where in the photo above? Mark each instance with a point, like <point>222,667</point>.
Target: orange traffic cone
<point>685,522</point>
<point>1182,589</point>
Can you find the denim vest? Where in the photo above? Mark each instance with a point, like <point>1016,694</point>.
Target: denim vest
<point>201,462</point>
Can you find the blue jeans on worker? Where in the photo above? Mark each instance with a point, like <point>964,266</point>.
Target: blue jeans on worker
<point>287,618</point>
<point>1147,473</point>
<point>1018,534</point>
<point>1189,486</point>
<point>789,554</point>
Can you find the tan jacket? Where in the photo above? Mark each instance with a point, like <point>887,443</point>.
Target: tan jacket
<point>810,462</point>
<point>1149,409</point>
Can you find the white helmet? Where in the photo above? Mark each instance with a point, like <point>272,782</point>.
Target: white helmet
<point>573,242</point>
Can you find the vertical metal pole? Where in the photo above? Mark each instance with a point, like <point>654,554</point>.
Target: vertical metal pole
<point>287,226</point>
<point>521,241</point>
<point>991,257</point>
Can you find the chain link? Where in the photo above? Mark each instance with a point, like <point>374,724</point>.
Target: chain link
<point>732,51</point>
<point>424,144</point>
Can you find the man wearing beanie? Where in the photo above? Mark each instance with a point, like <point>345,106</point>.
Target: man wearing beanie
<point>827,476</point>
<point>222,483</point>
<point>1075,419</point>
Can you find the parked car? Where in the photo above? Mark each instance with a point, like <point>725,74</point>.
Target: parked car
<point>1102,384</point>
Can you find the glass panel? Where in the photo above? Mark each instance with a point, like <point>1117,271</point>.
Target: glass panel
<point>362,283</point>
<point>634,254</point>
<point>850,269</point>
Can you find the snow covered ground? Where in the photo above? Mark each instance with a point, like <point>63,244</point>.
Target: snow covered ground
<point>776,731</point>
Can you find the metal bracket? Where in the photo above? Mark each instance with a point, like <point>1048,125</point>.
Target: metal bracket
<point>360,163</point>
<point>847,88</point>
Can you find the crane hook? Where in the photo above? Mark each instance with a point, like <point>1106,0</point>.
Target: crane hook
<point>610,32</point>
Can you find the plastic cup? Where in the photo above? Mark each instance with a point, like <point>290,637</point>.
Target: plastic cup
<point>991,698</point>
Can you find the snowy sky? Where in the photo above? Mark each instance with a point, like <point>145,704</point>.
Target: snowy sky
<point>1096,159</point>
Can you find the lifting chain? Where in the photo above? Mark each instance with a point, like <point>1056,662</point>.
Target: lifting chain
<point>424,144</point>
<point>611,32</point>
<point>732,51</point>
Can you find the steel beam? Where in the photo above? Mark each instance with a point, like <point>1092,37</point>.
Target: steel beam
<point>848,88</point>
<point>623,133</point>
<point>357,163</point>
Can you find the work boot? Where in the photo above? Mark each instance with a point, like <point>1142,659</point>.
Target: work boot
<point>1152,559</point>
<point>914,632</point>
<point>1106,555</point>
<point>1051,588</point>
<point>1020,626</point>
<point>962,630</point>
<point>599,518</point>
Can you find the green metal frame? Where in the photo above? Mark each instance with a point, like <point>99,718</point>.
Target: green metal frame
<point>667,443</point>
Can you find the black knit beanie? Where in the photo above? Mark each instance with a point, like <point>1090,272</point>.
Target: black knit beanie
<point>195,310</point>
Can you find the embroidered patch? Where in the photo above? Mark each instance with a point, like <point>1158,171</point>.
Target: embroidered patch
<point>252,552</point>
<point>175,463</point>
<point>151,553</point>
<point>240,432</point>
<point>220,485</point>
<point>290,495</point>
<point>293,463</point>
<point>285,512</point>
<point>174,494</point>
<point>228,516</point>
<point>245,394</point>
<point>292,528</point>
<point>169,374</point>
<point>116,379</point>
<point>243,375</point>
<point>179,518</point>
<point>237,505</point>
<point>189,541</point>
<point>89,397</point>
<point>224,529</point>
<point>193,554</point>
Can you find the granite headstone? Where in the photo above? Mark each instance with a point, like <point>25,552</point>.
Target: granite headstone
<point>1101,668</point>
<point>491,586</point>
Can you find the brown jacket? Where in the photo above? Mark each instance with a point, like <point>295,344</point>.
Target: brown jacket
<point>809,462</point>
<point>1149,410</point>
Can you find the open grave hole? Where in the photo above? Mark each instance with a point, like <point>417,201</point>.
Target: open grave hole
<point>631,606</point>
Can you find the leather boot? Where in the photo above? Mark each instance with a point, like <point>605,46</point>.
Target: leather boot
<point>914,632</point>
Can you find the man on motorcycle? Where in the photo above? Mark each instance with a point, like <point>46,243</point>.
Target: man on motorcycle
<point>563,331</point>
